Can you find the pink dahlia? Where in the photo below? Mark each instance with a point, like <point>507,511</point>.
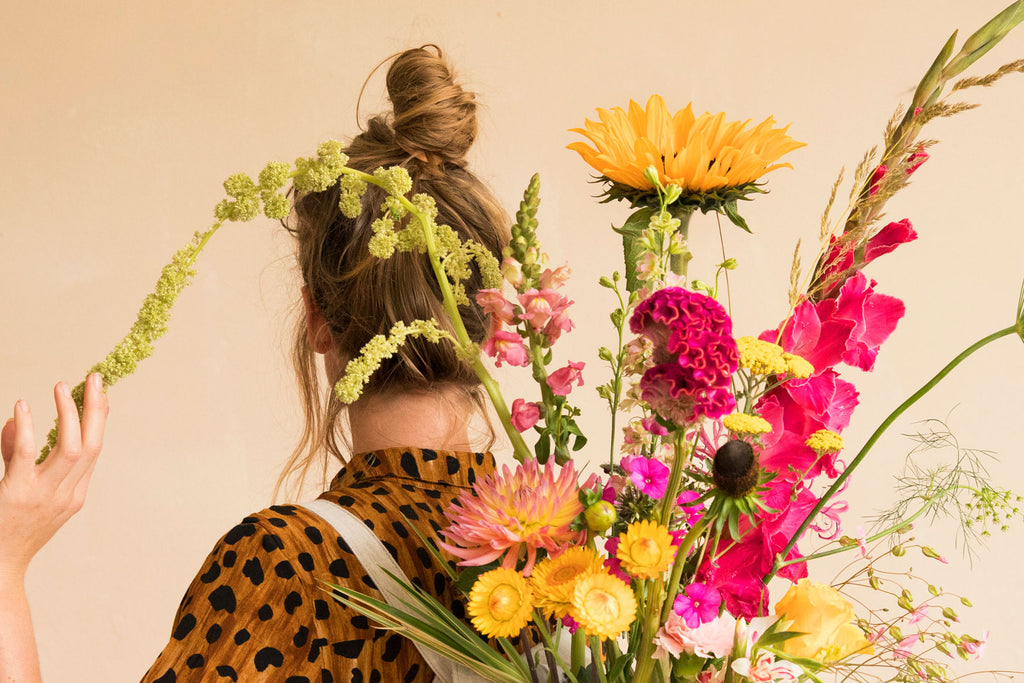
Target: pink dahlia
<point>515,513</point>
<point>694,354</point>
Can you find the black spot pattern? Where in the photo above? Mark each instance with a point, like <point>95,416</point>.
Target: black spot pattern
<point>256,609</point>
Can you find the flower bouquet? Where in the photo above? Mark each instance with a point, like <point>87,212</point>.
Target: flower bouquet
<point>652,560</point>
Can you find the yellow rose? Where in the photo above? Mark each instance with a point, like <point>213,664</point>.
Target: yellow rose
<point>828,620</point>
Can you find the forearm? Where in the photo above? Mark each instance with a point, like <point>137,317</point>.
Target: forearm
<point>19,661</point>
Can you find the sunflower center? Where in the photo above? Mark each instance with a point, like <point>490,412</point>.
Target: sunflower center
<point>504,602</point>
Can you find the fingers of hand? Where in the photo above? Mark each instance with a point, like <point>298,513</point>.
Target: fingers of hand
<point>7,441</point>
<point>94,414</point>
<point>24,441</point>
<point>69,432</point>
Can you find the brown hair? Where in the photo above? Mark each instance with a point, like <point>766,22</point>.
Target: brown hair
<point>430,130</point>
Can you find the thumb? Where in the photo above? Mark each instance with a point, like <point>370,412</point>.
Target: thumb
<point>7,442</point>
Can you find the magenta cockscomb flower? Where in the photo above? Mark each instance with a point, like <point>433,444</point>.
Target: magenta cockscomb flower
<point>514,513</point>
<point>649,475</point>
<point>694,354</point>
<point>697,604</point>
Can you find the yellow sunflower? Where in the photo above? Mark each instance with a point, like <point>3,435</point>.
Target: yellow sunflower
<point>700,154</point>
<point>553,580</point>
<point>645,549</point>
<point>603,605</point>
<point>500,603</point>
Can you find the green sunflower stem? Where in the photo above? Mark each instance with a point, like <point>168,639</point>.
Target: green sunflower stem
<point>679,262</point>
<point>838,484</point>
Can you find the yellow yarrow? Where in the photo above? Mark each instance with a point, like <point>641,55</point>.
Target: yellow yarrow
<point>761,357</point>
<point>742,423</point>
<point>603,605</point>
<point>645,549</point>
<point>553,580</point>
<point>825,441</point>
<point>797,367</point>
<point>500,603</point>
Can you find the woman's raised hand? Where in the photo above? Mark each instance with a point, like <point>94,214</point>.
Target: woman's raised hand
<point>35,500</point>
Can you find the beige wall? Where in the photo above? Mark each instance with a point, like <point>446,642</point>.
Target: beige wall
<point>121,119</point>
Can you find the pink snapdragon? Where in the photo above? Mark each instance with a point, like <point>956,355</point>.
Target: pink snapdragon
<point>540,306</point>
<point>710,640</point>
<point>562,380</point>
<point>506,347</point>
<point>496,306</point>
<point>512,271</point>
<point>648,475</point>
<point>524,414</point>
<point>553,279</point>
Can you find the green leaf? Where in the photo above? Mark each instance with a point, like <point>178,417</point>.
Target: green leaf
<point>468,576</point>
<point>543,448</point>
<point>631,231</point>
<point>732,212</point>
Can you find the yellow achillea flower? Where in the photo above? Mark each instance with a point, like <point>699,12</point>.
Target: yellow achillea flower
<point>797,366</point>
<point>742,423</point>
<point>698,153</point>
<point>645,549</point>
<point>825,441</point>
<point>603,605</point>
<point>761,357</point>
<point>500,603</point>
<point>553,580</point>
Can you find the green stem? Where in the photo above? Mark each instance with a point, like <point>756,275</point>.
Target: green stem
<point>875,436</point>
<point>552,650</point>
<point>675,476</point>
<point>595,654</point>
<point>677,568</point>
<point>870,539</point>
<point>579,647</point>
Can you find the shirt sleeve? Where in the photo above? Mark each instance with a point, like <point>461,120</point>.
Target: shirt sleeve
<point>247,616</point>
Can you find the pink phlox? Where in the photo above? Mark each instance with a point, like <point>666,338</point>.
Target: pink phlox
<point>693,513</point>
<point>612,563</point>
<point>697,604</point>
<point>649,476</point>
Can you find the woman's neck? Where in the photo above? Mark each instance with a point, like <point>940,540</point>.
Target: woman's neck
<point>437,420</point>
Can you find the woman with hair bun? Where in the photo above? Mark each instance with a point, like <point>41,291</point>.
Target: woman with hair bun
<point>256,610</point>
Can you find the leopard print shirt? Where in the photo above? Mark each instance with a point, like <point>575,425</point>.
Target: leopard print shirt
<point>257,612</point>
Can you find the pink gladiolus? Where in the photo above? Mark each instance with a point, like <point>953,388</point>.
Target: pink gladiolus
<point>561,381</point>
<point>524,414</point>
<point>915,160</point>
<point>506,347</point>
<point>876,179</point>
<point>648,475</point>
<point>840,257</point>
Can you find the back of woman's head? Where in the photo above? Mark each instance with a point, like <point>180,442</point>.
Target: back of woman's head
<point>429,132</point>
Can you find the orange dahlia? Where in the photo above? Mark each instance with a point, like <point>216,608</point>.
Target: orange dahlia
<point>514,514</point>
<point>703,155</point>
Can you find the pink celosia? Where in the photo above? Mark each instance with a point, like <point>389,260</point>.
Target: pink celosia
<point>516,513</point>
<point>562,380</point>
<point>694,354</point>
<point>524,414</point>
<point>710,640</point>
<point>648,475</point>
<point>506,347</point>
<point>697,604</point>
<point>540,306</point>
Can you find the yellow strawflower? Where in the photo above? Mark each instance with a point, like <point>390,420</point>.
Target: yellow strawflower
<point>645,549</point>
<point>500,603</point>
<point>825,441</point>
<point>553,580</point>
<point>742,423</point>
<point>603,605</point>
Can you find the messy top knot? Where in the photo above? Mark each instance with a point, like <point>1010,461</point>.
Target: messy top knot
<point>359,295</point>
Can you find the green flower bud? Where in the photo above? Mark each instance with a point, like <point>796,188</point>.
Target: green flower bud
<point>600,516</point>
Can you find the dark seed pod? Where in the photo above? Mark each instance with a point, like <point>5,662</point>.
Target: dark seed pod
<point>735,468</point>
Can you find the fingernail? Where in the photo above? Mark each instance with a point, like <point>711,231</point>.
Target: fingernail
<point>21,405</point>
<point>64,389</point>
<point>97,380</point>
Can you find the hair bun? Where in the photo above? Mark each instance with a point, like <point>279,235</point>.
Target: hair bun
<point>432,113</point>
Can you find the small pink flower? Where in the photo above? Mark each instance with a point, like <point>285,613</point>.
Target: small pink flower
<point>766,670</point>
<point>698,604</point>
<point>920,613</point>
<point>713,639</point>
<point>524,414</point>
<point>973,646</point>
<point>570,623</point>
<point>652,426</point>
<point>512,270</point>
<point>861,544</point>
<point>506,347</point>
<point>903,648</point>
<point>561,380</point>
<point>693,512</point>
<point>613,563</point>
<point>876,179</point>
<point>648,475</point>
<point>540,306</point>
<point>553,279</point>
<point>558,324</point>
<point>496,306</point>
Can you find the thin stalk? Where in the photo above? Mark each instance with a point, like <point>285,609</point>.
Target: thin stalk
<point>675,476</point>
<point>595,654</point>
<point>677,568</point>
<point>838,484</point>
<point>579,647</point>
<point>552,652</point>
